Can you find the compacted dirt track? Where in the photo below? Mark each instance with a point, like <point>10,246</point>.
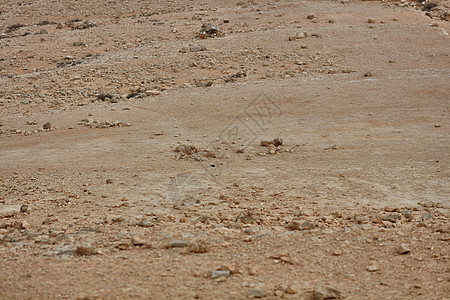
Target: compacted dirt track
<point>224,150</point>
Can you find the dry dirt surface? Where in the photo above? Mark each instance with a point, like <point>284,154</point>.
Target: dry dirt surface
<point>224,149</point>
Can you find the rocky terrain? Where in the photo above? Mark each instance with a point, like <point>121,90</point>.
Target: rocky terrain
<point>224,149</point>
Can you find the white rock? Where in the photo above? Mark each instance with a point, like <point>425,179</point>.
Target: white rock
<point>152,92</point>
<point>9,210</point>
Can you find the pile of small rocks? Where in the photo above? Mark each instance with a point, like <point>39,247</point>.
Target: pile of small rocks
<point>46,127</point>
<point>274,146</point>
<point>90,122</point>
<point>193,153</point>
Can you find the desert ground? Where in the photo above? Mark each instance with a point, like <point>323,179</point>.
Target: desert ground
<point>192,149</point>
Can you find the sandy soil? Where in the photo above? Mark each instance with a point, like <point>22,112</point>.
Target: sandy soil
<point>141,155</point>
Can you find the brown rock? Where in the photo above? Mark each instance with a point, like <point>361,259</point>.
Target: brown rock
<point>293,288</point>
<point>293,225</point>
<point>233,268</point>
<point>277,142</point>
<point>403,249</point>
<point>85,250</point>
<point>322,292</point>
<point>47,126</point>
<point>372,268</point>
<point>24,208</point>
<point>138,241</point>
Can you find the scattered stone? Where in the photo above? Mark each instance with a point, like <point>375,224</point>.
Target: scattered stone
<point>437,125</point>
<point>367,74</point>
<point>403,249</point>
<point>371,21</point>
<point>220,273</point>
<point>322,292</point>
<point>178,244</point>
<point>311,16</point>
